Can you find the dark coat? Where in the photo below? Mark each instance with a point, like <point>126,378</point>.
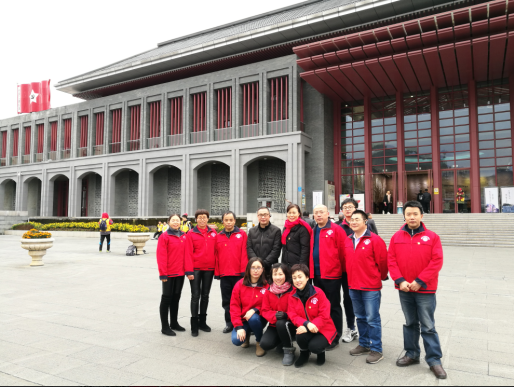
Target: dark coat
<point>309,220</point>
<point>298,246</point>
<point>385,199</point>
<point>427,198</point>
<point>265,244</point>
<point>372,226</point>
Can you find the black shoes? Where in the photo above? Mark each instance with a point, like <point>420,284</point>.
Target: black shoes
<point>288,356</point>
<point>332,346</point>
<point>168,332</point>
<point>406,361</point>
<point>194,326</point>
<point>321,359</point>
<point>177,327</point>
<point>229,328</point>
<point>202,323</point>
<point>304,358</point>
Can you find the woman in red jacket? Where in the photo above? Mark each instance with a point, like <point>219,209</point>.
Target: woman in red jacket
<point>309,310</point>
<point>245,306</point>
<point>200,262</point>
<point>281,330</point>
<point>171,251</point>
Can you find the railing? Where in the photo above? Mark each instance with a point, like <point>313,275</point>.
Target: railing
<point>153,143</point>
<point>15,160</point>
<point>98,150</point>
<point>278,127</point>
<point>222,134</point>
<point>82,152</point>
<point>198,137</point>
<point>53,155</point>
<point>39,157</point>
<point>3,162</point>
<point>175,139</point>
<point>133,145</point>
<point>116,147</point>
<point>66,154</point>
<point>25,159</point>
<point>249,131</point>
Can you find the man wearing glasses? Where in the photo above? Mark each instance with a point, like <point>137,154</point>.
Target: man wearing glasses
<point>264,241</point>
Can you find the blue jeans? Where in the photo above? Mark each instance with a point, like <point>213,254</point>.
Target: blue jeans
<point>419,308</point>
<point>256,325</point>
<point>366,306</point>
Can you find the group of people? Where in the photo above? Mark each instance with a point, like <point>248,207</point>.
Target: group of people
<point>299,299</point>
<point>185,226</point>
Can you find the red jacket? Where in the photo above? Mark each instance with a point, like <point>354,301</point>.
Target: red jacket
<point>316,311</point>
<point>331,251</point>
<point>243,299</point>
<point>366,265</point>
<point>273,304</point>
<point>418,257</point>
<point>200,250</point>
<point>230,254</point>
<point>171,252</point>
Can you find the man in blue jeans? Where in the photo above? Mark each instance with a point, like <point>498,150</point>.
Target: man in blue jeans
<point>415,259</point>
<point>366,265</point>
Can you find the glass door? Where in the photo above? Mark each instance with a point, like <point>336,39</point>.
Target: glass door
<point>448,191</point>
<point>456,190</point>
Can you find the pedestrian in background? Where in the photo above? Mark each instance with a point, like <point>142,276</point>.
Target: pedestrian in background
<point>308,219</point>
<point>105,231</point>
<point>427,198</point>
<point>158,232</point>
<point>371,224</point>
<point>388,203</point>
<point>296,238</point>
<point>185,225</point>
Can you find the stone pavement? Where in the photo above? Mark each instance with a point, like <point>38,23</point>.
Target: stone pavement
<point>92,319</point>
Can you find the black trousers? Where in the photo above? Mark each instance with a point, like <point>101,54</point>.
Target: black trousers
<point>389,208</point>
<point>312,342</point>
<point>426,207</point>
<point>332,289</point>
<point>200,290</point>
<point>171,292</point>
<point>284,332</point>
<point>347,303</point>
<point>157,234</point>
<point>227,284</point>
<point>102,238</point>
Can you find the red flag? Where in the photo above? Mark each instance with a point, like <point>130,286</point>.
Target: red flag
<point>33,97</point>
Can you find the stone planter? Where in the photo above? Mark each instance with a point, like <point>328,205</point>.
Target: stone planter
<point>37,249</point>
<point>139,240</point>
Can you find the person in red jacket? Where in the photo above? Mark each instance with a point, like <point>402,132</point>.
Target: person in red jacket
<point>171,251</point>
<point>200,262</point>
<point>366,265</point>
<point>280,331</point>
<point>245,306</point>
<point>415,258</point>
<point>327,264</point>
<point>309,310</point>
<point>230,261</point>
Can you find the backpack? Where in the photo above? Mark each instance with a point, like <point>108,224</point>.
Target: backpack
<point>103,225</point>
<point>131,251</point>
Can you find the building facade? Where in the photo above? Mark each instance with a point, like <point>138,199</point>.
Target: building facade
<point>370,95</point>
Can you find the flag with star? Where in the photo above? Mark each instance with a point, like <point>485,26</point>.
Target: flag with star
<point>33,97</point>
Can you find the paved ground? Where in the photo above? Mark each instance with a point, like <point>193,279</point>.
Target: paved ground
<point>91,319</point>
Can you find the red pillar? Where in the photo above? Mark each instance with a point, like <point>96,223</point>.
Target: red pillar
<point>476,192</point>
<point>436,153</point>
<point>368,175</point>
<point>400,192</point>
<point>336,107</point>
<point>511,90</point>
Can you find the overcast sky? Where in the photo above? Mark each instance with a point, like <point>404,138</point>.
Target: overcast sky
<point>60,39</point>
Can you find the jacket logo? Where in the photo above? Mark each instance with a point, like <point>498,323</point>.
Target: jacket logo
<point>263,291</point>
<point>314,300</point>
<point>425,238</point>
<point>238,236</point>
<point>330,232</point>
<point>367,242</point>
<point>213,234</point>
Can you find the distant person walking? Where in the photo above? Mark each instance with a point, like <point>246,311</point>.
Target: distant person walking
<point>158,232</point>
<point>427,198</point>
<point>371,224</point>
<point>185,225</point>
<point>388,203</point>
<point>419,197</point>
<point>309,220</point>
<point>105,231</point>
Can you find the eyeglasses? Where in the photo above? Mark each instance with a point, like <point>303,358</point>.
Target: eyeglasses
<point>202,217</point>
<point>256,268</point>
<point>356,220</point>
<point>348,208</point>
<point>262,215</point>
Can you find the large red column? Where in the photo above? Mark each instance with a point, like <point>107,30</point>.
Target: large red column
<point>368,174</point>
<point>511,90</point>
<point>436,153</point>
<point>400,192</point>
<point>473,145</point>
<point>336,107</point>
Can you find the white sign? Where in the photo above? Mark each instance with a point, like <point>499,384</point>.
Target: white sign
<point>330,200</point>
<point>491,200</point>
<point>317,198</point>
<point>359,198</point>
<point>507,195</point>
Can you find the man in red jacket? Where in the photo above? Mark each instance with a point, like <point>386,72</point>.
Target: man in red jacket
<point>327,264</point>
<point>366,265</point>
<point>415,258</point>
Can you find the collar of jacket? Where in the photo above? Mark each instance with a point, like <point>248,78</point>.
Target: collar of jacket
<point>260,284</point>
<point>411,232</point>
<point>262,229</point>
<point>195,229</point>
<point>328,225</point>
<point>176,233</point>
<point>235,230</point>
<point>367,234</point>
<point>312,292</point>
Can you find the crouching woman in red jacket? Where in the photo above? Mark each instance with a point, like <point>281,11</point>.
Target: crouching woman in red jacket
<point>281,331</point>
<point>171,251</point>
<point>245,306</point>
<point>309,310</point>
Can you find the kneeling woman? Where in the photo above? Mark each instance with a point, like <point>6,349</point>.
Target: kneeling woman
<point>309,310</point>
<point>281,331</point>
<point>245,306</point>
<point>171,250</point>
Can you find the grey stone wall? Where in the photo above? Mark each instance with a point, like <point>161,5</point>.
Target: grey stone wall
<point>34,198</point>
<point>272,183</point>
<point>98,196</point>
<point>133,193</point>
<point>9,202</point>
<point>204,187</point>
<point>252,186</point>
<point>220,189</point>
<point>174,187</point>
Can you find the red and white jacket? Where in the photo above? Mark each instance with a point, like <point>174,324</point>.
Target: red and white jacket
<point>417,257</point>
<point>243,299</point>
<point>230,254</point>
<point>171,253</point>
<point>366,264</point>
<point>200,250</point>
<point>272,304</point>
<point>316,311</point>
<point>331,251</point>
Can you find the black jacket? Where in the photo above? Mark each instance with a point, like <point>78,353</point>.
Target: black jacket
<point>427,197</point>
<point>298,246</point>
<point>385,199</point>
<point>372,226</point>
<point>264,243</point>
<point>311,221</point>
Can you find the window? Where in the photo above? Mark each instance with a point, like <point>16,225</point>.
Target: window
<point>135,128</point>
<point>66,153</point>
<point>417,127</point>
<point>84,122</point>
<point>154,117</point>
<point>3,154</point>
<point>383,135</point>
<point>250,113</point>
<point>199,130</point>
<point>175,136</point>
<point>279,108</point>
<point>224,114</point>
<point>352,148</point>
<point>52,155</point>
<point>26,148</point>
<point>116,131</point>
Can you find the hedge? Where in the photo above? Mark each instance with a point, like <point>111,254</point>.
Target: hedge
<point>79,226</point>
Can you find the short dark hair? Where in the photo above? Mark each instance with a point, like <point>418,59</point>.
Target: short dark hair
<point>285,269</point>
<point>291,206</point>
<point>300,267</point>
<point>350,200</point>
<point>426,189</point>
<point>172,215</point>
<point>247,280</point>
<point>413,204</point>
<point>362,213</point>
<point>264,208</point>
<point>306,213</point>
<point>228,213</point>
<point>201,211</point>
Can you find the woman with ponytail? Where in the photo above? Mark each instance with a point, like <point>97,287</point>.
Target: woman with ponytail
<point>296,238</point>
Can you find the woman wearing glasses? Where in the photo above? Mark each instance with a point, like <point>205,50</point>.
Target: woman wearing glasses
<point>296,238</point>
<point>201,242</point>
<point>245,306</point>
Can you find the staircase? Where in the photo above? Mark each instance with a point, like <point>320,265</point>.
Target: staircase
<point>473,230</point>
<point>9,218</point>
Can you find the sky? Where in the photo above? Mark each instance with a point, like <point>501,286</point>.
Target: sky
<point>60,39</point>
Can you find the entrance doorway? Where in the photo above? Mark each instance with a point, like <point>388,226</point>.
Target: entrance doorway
<point>452,180</point>
<point>418,181</point>
<point>383,182</point>
<point>83,198</point>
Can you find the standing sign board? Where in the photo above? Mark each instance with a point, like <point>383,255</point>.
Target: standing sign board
<point>317,198</point>
<point>330,200</point>
<point>359,198</point>
<point>492,203</point>
<point>507,195</point>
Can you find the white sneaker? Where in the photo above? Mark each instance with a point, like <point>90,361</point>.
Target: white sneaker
<point>349,335</point>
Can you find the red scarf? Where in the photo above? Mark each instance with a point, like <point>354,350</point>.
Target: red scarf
<point>279,289</point>
<point>289,225</point>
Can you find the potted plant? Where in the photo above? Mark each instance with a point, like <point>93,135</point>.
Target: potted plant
<point>37,242</point>
<point>138,235</point>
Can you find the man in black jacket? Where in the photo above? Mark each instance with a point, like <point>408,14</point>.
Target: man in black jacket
<point>427,198</point>
<point>264,240</point>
